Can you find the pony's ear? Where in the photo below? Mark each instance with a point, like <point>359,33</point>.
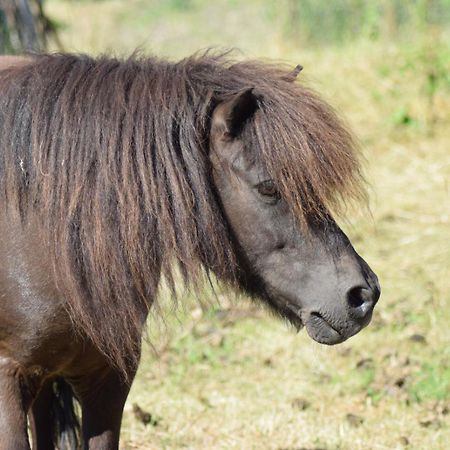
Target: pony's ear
<point>230,116</point>
<point>292,75</point>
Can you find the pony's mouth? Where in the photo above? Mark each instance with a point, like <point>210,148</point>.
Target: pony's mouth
<point>318,328</point>
<point>322,331</point>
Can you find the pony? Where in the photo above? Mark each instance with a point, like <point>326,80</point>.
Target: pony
<point>116,174</point>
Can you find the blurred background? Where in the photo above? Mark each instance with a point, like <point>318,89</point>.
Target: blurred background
<point>225,374</point>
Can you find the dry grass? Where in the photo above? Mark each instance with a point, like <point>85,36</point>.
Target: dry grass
<point>226,378</point>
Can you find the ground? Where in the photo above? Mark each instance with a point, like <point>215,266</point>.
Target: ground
<point>230,376</point>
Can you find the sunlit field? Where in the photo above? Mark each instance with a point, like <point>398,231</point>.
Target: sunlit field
<point>224,374</point>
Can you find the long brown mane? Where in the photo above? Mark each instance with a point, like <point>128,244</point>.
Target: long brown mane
<point>112,156</point>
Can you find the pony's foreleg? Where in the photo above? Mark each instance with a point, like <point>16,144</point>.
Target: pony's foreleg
<point>102,396</point>
<point>15,398</point>
<point>41,420</point>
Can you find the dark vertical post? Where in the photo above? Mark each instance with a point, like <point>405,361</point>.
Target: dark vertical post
<point>24,26</point>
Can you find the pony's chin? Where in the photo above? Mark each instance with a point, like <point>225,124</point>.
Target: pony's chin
<point>322,331</point>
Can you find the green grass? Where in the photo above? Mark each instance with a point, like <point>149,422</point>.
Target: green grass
<point>432,382</point>
<point>230,376</point>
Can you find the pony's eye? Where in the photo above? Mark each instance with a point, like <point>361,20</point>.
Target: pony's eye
<point>268,189</point>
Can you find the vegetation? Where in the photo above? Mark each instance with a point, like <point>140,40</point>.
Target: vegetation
<point>228,375</point>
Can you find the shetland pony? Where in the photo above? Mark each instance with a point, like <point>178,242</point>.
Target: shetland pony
<point>115,174</point>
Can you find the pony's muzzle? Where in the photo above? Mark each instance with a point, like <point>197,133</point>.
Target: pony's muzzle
<point>333,327</point>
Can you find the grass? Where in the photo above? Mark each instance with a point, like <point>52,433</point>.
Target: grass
<point>230,376</point>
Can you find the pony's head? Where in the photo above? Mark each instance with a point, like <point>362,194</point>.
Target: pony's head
<point>277,171</point>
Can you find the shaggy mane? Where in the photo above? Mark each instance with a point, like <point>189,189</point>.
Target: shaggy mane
<point>112,156</point>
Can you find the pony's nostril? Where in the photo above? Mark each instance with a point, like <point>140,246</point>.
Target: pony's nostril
<point>356,297</point>
<point>361,301</point>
